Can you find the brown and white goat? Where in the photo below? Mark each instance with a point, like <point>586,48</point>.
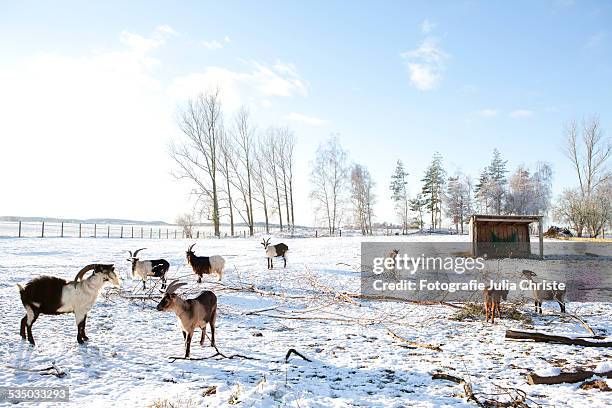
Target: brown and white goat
<point>192,313</point>
<point>492,300</point>
<point>205,265</point>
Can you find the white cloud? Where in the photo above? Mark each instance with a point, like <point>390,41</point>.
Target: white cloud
<point>141,44</point>
<point>595,41</point>
<point>309,120</point>
<point>427,26</point>
<point>520,113</point>
<point>93,112</point>
<point>259,82</point>
<point>212,45</point>
<point>426,64</point>
<point>487,113</point>
<point>215,45</point>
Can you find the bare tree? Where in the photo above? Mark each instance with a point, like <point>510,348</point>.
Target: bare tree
<point>196,154</point>
<point>329,177</point>
<point>260,184</point>
<point>186,222</point>
<point>226,165</point>
<point>590,158</point>
<point>286,143</point>
<point>458,200</point>
<point>363,198</point>
<point>271,158</point>
<point>243,139</point>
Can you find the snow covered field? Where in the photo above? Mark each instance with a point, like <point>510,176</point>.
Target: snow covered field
<point>355,362</point>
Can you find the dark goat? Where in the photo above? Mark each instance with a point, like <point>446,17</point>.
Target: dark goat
<point>156,268</point>
<point>205,265</point>
<point>192,313</point>
<point>53,296</point>
<point>274,251</point>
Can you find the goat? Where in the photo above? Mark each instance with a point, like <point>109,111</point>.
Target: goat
<point>52,295</point>
<point>492,300</point>
<point>205,265</point>
<point>192,313</point>
<point>274,251</point>
<point>156,268</point>
<point>545,294</point>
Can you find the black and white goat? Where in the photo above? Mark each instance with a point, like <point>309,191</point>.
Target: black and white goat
<point>205,265</point>
<point>51,295</point>
<point>274,251</point>
<point>156,268</point>
<point>192,313</point>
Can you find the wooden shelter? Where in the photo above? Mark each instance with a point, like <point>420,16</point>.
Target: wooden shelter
<point>504,235</point>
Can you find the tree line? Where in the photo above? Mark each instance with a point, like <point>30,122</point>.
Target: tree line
<point>237,171</point>
<point>233,169</point>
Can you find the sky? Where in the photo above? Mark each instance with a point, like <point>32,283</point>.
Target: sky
<point>89,91</point>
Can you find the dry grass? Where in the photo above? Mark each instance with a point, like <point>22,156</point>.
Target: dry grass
<point>475,312</point>
<point>179,403</point>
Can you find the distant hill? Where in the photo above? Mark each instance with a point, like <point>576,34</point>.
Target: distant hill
<point>84,221</point>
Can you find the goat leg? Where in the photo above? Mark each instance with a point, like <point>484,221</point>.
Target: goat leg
<point>32,316</point>
<point>188,344</point>
<point>203,334</point>
<point>83,335</point>
<point>22,329</point>
<point>285,259</point>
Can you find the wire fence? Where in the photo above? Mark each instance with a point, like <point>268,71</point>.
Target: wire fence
<point>43,229</point>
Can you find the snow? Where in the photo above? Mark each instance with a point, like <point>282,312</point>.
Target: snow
<point>355,363</point>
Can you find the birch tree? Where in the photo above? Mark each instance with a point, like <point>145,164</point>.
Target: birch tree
<point>196,153</point>
<point>329,178</point>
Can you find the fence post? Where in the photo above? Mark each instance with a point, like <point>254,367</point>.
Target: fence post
<point>132,231</point>
<point>62,231</point>
<point>108,231</point>
<point>151,232</point>
<point>19,235</point>
<point>166,233</point>
<point>121,232</point>
<point>95,230</point>
<point>159,233</point>
<point>174,234</point>
<point>42,233</point>
<point>79,230</point>
<point>141,230</point>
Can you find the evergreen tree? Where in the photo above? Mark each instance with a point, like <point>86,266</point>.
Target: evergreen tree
<point>417,205</point>
<point>497,176</point>
<point>399,193</point>
<point>433,185</point>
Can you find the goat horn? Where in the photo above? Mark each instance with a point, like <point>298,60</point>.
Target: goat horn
<point>130,252</point>
<point>136,252</point>
<point>83,271</point>
<point>191,247</point>
<point>173,286</point>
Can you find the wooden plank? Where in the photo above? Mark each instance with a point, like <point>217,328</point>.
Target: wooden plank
<point>549,338</point>
<point>565,377</point>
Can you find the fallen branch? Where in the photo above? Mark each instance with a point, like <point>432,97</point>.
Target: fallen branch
<point>548,338</point>
<point>52,370</point>
<point>582,322</point>
<point>400,299</point>
<point>297,353</point>
<point>413,343</point>
<point>467,387</point>
<point>218,353</point>
<point>565,377</point>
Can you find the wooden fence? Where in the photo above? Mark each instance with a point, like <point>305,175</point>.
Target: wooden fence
<point>43,229</point>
